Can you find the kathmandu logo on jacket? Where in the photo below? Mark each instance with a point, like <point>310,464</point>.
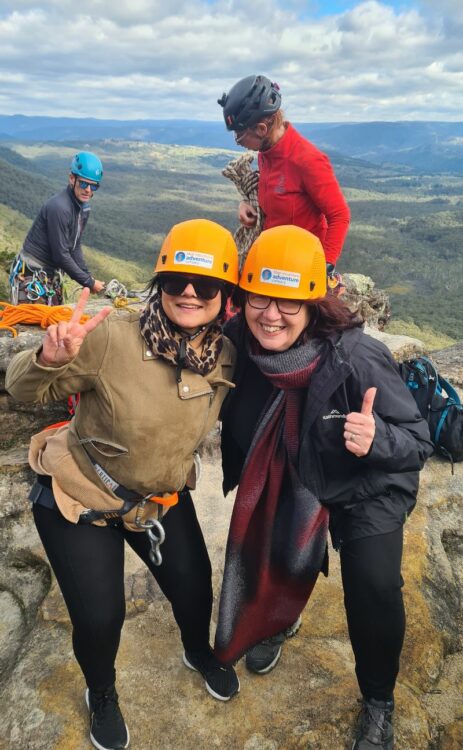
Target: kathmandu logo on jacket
<point>334,414</point>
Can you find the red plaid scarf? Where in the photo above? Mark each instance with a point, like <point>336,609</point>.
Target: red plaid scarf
<point>278,533</point>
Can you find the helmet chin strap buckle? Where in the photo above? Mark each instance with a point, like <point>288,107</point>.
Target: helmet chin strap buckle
<point>188,336</point>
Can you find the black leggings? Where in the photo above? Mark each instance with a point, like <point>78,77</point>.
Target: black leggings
<point>372,584</point>
<point>88,562</point>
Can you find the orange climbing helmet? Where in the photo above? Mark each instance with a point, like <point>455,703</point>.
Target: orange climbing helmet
<point>286,262</point>
<point>199,247</point>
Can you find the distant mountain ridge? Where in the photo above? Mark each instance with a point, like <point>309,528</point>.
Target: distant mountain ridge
<point>425,146</point>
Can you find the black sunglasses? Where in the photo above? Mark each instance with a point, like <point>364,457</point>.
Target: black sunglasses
<point>83,184</point>
<point>176,283</point>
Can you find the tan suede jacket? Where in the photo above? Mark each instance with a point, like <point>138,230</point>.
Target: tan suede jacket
<point>135,419</point>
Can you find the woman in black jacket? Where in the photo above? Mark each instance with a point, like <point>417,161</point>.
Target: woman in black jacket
<point>320,433</point>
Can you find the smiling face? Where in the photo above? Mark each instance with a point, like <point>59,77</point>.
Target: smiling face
<point>274,330</point>
<point>188,311</point>
<point>83,195</point>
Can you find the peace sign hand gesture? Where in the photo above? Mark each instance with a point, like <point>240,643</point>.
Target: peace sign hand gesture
<point>63,340</point>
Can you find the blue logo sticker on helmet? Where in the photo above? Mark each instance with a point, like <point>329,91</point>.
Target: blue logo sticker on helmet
<point>194,258</point>
<point>281,278</point>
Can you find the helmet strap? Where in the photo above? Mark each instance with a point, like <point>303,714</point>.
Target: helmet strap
<point>265,144</point>
<point>192,336</point>
<point>187,336</point>
<point>182,353</point>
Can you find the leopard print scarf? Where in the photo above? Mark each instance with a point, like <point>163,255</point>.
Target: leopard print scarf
<point>167,341</point>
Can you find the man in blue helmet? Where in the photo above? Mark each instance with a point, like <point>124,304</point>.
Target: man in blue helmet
<point>53,244</point>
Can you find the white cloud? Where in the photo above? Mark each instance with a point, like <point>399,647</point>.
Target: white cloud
<point>152,58</point>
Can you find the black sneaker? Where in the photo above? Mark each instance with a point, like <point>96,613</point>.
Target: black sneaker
<point>108,731</point>
<point>374,729</point>
<point>221,681</point>
<point>265,655</point>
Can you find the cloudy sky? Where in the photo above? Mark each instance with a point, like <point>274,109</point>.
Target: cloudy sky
<point>335,60</point>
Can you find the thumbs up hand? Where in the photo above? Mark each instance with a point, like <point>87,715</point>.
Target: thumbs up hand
<point>360,427</point>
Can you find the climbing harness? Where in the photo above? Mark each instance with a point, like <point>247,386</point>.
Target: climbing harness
<point>42,493</point>
<point>246,181</point>
<point>131,499</point>
<point>152,526</point>
<point>30,284</point>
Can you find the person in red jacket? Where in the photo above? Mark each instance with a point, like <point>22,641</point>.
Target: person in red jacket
<point>297,184</point>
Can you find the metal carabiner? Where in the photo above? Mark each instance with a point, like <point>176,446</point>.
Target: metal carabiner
<point>35,288</point>
<point>42,277</point>
<point>32,294</point>
<point>138,516</point>
<point>156,536</point>
<point>154,529</point>
<point>14,270</point>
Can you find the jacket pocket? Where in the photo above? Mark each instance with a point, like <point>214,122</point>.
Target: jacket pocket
<point>104,447</point>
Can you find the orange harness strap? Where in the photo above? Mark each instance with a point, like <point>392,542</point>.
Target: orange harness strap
<point>167,502</point>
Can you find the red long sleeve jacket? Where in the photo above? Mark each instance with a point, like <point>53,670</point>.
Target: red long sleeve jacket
<point>298,186</point>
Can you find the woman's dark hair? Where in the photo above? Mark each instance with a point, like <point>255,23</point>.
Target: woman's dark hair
<point>152,285</point>
<point>330,315</point>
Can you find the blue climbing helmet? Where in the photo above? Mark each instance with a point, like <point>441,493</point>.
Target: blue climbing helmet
<point>87,165</point>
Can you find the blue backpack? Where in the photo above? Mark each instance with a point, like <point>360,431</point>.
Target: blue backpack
<point>439,403</point>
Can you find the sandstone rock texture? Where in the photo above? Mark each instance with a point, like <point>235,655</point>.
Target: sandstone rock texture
<point>373,304</point>
<point>307,703</point>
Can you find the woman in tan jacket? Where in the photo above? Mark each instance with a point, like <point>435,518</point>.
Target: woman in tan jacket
<point>151,387</point>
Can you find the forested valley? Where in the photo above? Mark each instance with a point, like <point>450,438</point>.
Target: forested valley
<point>405,233</point>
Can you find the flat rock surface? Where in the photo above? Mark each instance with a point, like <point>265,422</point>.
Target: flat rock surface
<point>307,703</point>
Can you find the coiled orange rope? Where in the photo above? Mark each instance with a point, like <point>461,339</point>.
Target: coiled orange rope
<point>35,315</point>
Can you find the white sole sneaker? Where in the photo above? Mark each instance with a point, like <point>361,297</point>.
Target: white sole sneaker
<point>270,666</point>
<point>294,628</point>
<point>208,687</point>
<point>290,632</point>
<point>94,742</point>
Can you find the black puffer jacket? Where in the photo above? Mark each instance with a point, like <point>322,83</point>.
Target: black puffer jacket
<point>351,363</point>
<point>54,239</point>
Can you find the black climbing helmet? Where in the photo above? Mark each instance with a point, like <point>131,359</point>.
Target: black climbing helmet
<point>248,101</point>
